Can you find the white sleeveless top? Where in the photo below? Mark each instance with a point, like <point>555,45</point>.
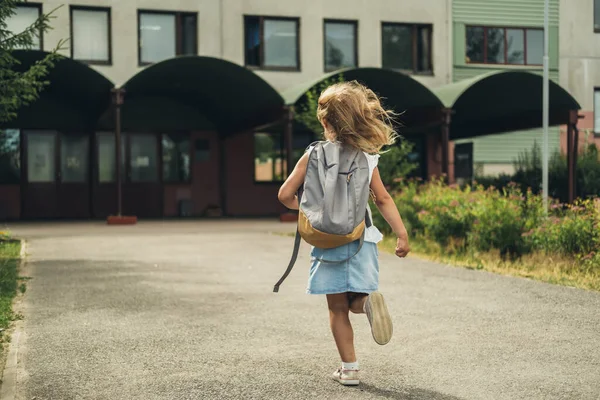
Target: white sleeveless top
<point>372,234</point>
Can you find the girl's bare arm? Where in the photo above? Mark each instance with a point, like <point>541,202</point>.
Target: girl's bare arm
<point>287,192</point>
<point>387,207</point>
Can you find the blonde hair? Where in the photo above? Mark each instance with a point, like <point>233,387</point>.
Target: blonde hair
<point>354,115</point>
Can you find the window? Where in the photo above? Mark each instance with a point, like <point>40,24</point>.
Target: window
<point>143,158</point>
<point>165,35</point>
<point>10,156</point>
<point>497,45</point>
<point>407,47</point>
<point>340,44</point>
<point>107,168</point>
<point>596,15</point>
<point>25,16</point>
<point>176,158</point>
<point>597,112</point>
<point>74,158</point>
<point>269,158</point>
<point>202,150</point>
<point>90,35</point>
<point>272,43</point>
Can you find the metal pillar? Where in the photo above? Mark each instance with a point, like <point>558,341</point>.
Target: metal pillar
<point>545,108</point>
<point>118,97</point>
<point>572,150</point>
<point>289,139</point>
<point>446,119</point>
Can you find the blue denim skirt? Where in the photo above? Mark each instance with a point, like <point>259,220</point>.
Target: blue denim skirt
<point>359,274</point>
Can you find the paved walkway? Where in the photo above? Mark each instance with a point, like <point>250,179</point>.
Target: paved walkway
<point>185,311</point>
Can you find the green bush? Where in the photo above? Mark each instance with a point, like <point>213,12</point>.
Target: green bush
<point>513,222</point>
<point>573,231</point>
<point>446,212</point>
<point>405,201</point>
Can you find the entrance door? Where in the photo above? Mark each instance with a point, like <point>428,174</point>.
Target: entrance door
<point>57,175</point>
<point>142,192</point>
<point>105,174</point>
<point>140,179</point>
<point>463,163</point>
<point>74,186</point>
<point>40,197</point>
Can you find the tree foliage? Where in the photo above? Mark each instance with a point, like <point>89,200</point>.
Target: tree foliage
<point>20,88</point>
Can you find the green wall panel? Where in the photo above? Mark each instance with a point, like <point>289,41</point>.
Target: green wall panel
<point>500,12</point>
<point>504,148</point>
<point>468,72</point>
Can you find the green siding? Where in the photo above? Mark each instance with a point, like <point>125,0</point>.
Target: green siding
<point>504,148</point>
<point>529,13</point>
<point>461,73</point>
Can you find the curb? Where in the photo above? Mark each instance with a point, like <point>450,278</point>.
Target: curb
<point>9,377</point>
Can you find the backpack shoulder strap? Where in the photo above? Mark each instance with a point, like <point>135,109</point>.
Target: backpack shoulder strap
<point>291,264</point>
<point>313,144</point>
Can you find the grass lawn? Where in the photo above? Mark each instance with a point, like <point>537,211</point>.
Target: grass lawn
<point>556,270</point>
<point>9,263</point>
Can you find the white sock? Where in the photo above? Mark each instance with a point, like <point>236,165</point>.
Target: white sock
<point>353,366</point>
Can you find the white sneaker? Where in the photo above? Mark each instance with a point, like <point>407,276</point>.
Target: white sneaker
<point>347,377</point>
<point>379,318</point>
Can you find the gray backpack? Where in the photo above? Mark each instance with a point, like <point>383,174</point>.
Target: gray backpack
<point>333,202</point>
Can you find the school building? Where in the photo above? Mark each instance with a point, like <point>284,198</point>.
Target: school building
<point>202,93</point>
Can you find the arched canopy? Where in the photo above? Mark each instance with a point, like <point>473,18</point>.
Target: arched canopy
<point>502,102</point>
<point>207,93</point>
<point>400,92</point>
<point>74,99</point>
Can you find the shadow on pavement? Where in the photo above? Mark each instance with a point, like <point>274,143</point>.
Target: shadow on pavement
<point>408,394</point>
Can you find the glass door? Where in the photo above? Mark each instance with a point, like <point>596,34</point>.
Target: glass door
<point>40,187</point>
<point>142,192</point>
<point>74,179</point>
<point>140,175</point>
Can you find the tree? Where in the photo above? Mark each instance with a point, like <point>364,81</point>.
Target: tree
<point>20,88</point>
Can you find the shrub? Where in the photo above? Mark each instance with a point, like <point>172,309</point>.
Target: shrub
<point>509,221</point>
<point>405,201</point>
<point>575,231</point>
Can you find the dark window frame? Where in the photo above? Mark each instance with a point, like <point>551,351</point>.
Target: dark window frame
<point>40,9</point>
<point>262,66</point>
<point>596,133</point>
<point>91,8</point>
<point>414,37</point>
<point>339,21</point>
<point>282,149</point>
<point>505,28</point>
<point>178,31</point>
<point>594,24</point>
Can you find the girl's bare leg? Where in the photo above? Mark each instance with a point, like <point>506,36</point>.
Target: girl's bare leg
<point>357,304</point>
<point>341,327</point>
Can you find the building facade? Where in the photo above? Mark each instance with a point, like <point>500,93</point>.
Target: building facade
<point>579,60</point>
<point>497,35</point>
<point>192,138</point>
<point>128,34</point>
<point>209,88</point>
